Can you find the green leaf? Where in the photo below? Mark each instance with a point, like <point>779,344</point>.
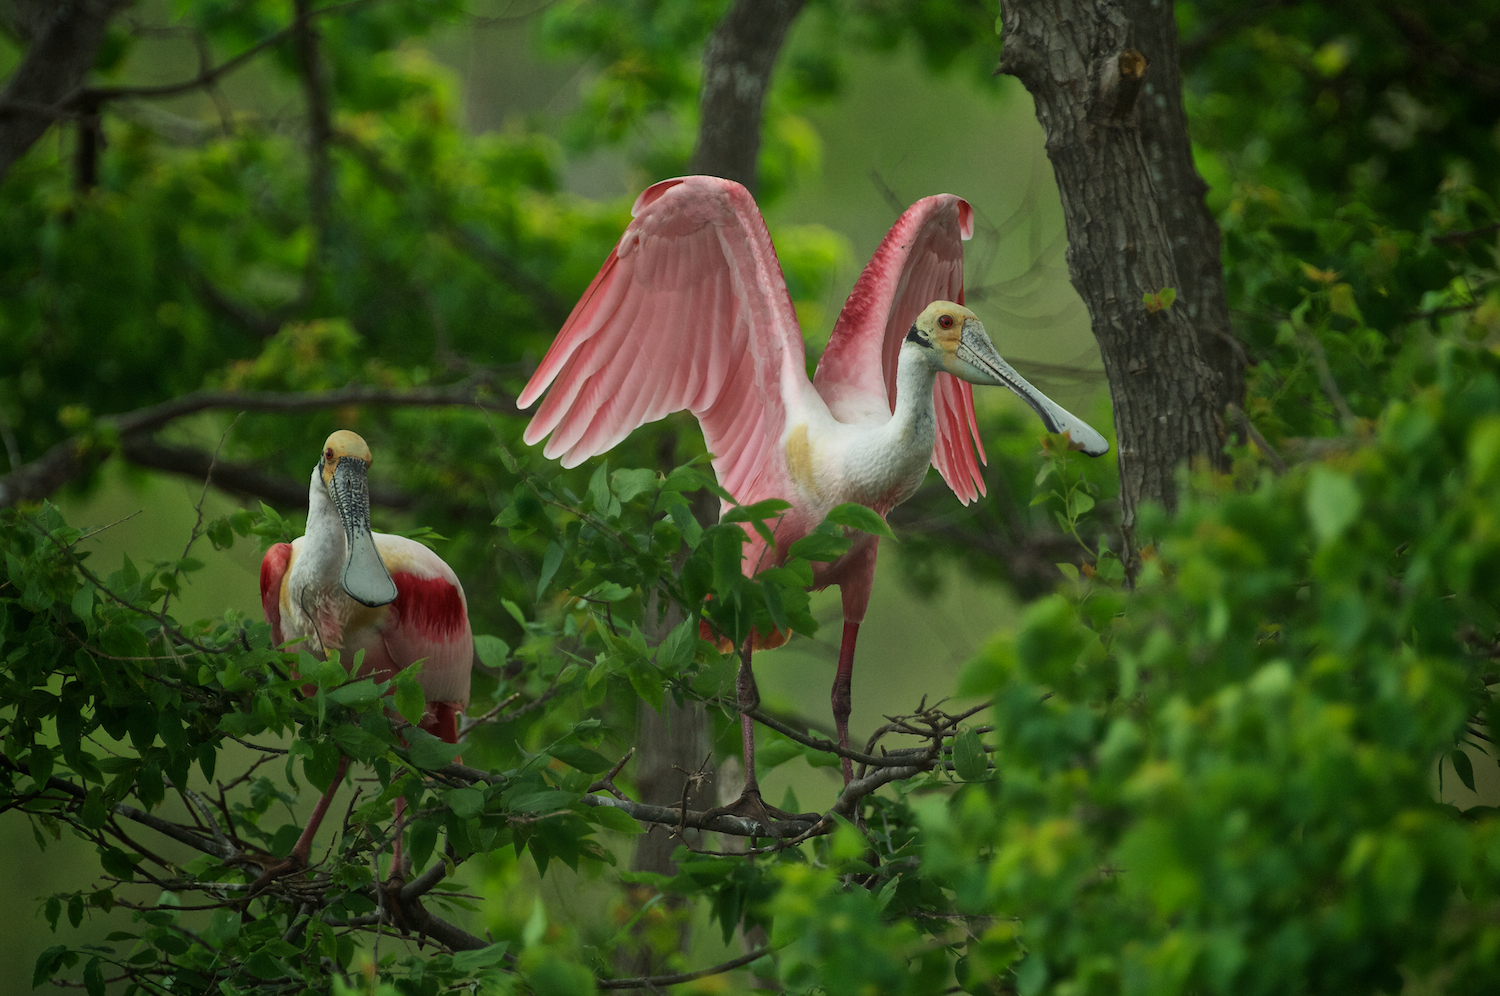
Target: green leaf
<point>551,561</point>
<point>1463,767</point>
<point>629,483</point>
<point>1333,503</point>
<point>427,751</point>
<point>92,813</point>
<point>777,752</point>
<point>585,760</point>
<point>356,693</point>
<point>540,801</point>
<point>647,682</point>
<point>615,819</point>
<point>757,514</point>
<point>728,547</point>
<point>676,651</point>
<point>857,516</point>
<point>472,961</point>
<point>969,761</point>
<point>410,701</point>
<point>83,603</point>
<point>223,927</point>
<point>491,650</point>
<point>465,802</point>
<point>358,743</point>
<point>682,514</point>
<point>46,963</point>
<point>422,840</point>
<point>820,546</point>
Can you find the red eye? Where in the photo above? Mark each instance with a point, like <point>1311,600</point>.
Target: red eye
<point>945,321</point>
<point>328,453</point>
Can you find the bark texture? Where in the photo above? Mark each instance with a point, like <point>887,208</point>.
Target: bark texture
<point>1191,228</point>
<point>737,63</point>
<point>1077,59</point>
<point>62,51</point>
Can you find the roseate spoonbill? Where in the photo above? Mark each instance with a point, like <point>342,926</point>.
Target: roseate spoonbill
<point>690,310</point>
<point>341,586</point>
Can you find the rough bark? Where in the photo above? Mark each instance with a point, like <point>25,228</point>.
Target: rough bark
<point>1076,59</point>
<point>61,53</point>
<point>1191,228</point>
<point>737,63</point>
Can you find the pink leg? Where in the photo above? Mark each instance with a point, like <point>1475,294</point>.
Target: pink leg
<point>841,697</point>
<point>749,698</point>
<point>303,848</point>
<point>855,584</point>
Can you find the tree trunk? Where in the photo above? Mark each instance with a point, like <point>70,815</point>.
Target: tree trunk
<point>1077,60</point>
<point>1191,228</point>
<point>737,63</point>
<point>62,51</point>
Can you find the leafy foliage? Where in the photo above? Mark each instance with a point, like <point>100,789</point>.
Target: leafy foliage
<point>1232,773</point>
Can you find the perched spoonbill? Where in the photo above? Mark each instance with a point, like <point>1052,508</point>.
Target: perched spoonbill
<point>341,586</point>
<point>690,310</point>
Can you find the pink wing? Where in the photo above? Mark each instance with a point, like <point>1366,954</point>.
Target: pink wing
<point>273,568</point>
<point>689,311</point>
<point>919,261</point>
<point>429,620</point>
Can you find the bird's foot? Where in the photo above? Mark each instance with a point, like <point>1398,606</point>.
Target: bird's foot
<point>290,865</point>
<point>406,915</point>
<point>751,806</point>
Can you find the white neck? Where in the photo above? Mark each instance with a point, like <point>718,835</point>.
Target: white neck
<point>887,463</point>
<point>323,546</point>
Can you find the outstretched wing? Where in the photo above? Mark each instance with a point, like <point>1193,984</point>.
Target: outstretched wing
<point>919,261</point>
<point>273,567</point>
<point>689,311</point>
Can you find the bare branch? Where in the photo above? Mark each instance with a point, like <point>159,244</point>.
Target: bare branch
<point>75,457</point>
<point>61,53</point>
<point>652,981</point>
<point>737,826</point>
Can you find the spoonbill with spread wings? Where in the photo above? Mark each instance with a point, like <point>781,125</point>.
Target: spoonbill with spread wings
<point>690,310</point>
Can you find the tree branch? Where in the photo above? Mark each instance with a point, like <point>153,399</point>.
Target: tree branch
<point>548,305</point>
<point>736,826</point>
<point>59,58</point>
<point>652,981</point>
<point>75,457</point>
<point>737,63</point>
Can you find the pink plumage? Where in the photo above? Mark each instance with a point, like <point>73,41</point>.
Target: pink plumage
<point>690,311</point>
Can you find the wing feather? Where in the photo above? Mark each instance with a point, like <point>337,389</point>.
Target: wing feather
<point>429,620</point>
<point>273,567</point>
<point>919,261</point>
<point>690,310</point>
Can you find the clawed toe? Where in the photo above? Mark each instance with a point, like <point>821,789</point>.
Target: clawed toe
<point>751,806</point>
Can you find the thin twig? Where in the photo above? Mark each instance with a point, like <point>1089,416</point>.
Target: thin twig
<point>672,980</point>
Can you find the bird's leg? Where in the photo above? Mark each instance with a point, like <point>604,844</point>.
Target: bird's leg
<point>748,696</point>
<point>750,804</point>
<point>302,850</point>
<point>841,696</point>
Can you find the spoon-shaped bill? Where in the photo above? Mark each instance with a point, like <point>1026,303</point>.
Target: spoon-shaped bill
<point>977,362</point>
<point>364,577</point>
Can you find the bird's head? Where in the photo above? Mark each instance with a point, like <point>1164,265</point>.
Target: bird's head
<point>345,471</point>
<point>950,337</point>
